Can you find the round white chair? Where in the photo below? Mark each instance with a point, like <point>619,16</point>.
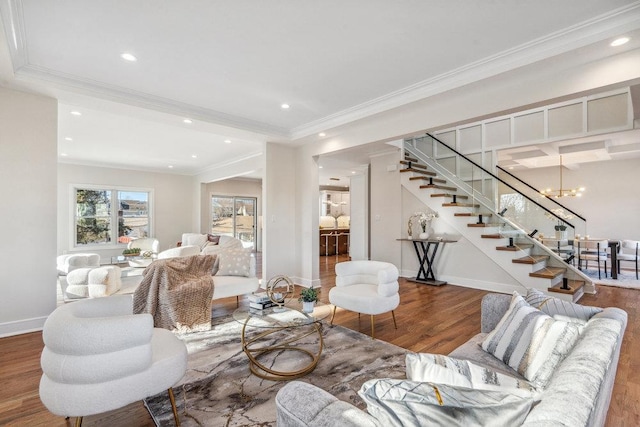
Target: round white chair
<point>369,287</point>
<point>98,356</point>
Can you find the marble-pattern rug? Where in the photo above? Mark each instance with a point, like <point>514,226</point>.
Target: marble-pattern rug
<point>219,390</point>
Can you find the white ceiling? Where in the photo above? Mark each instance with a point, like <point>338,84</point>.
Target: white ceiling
<point>230,65</point>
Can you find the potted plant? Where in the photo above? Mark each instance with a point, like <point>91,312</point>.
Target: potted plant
<point>308,296</point>
<point>131,252</point>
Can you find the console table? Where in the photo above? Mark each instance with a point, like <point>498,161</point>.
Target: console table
<point>426,251</point>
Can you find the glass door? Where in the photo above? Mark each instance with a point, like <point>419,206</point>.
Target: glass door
<point>234,216</point>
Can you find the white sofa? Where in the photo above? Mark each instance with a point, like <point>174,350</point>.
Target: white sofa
<point>225,285</point>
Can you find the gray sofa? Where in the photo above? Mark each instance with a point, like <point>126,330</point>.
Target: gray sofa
<point>578,395</point>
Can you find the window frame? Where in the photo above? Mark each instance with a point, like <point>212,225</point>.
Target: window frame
<point>114,214</point>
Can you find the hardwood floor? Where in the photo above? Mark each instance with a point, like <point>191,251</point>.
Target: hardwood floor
<point>430,319</point>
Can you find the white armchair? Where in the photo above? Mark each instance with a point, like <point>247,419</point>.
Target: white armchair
<point>148,249</point>
<point>68,262</point>
<point>369,287</point>
<point>98,356</point>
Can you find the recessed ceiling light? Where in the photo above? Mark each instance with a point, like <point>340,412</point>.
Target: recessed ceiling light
<point>170,166</point>
<point>227,141</point>
<point>353,171</point>
<point>76,113</point>
<point>68,139</point>
<point>187,121</point>
<point>63,154</point>
<point>620,41</point>
<point>285,106</point>
<point>194,156</point>
<point>321,134</point>
<point>320,167</point>
<point>128,57</point>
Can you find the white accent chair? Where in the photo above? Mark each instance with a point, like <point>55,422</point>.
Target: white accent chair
<point>629,252</point>
<point>180,251</point>
<point>98,356</point>
<point>593,250</point>
<point>369,287</point>
<point>68,262</point>
<point>147,245</point>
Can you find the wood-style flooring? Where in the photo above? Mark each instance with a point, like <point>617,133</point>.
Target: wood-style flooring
<point>430,319</point>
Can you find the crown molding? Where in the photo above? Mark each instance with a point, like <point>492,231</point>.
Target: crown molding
<point>608,25</point>
<point>101,90</point>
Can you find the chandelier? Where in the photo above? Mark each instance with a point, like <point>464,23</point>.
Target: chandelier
<point>562,192</point>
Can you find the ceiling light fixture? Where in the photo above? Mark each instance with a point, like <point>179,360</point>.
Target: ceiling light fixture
<point>320,167</point>
<point>68,139</point>
<point>227,141</point>
<point>76,113</point>
<point>562,192</point>
<point>170,166</point>
<point>63,154</point>
<point>321,134</point>
<point>187,121</point>
<point>128,57</point>
<point>194,156</point>
<point>620,41</point>
<point>285,106</point>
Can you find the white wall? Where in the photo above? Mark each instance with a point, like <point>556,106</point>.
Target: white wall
<point>279,225</point>
<point>359,220</point>
<point>242,187</point>
<point>28,161</point>
<point>173,203</point>
<point>385,209</point>
<point>610,203</point>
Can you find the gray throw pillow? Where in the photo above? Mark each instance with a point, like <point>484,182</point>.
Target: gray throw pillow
<point>555,306</point>
<point>531,342</point>
<point>404,403</point>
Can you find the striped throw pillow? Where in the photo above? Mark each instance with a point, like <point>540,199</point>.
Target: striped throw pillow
<point>530,341</point>
<point>553,306</point>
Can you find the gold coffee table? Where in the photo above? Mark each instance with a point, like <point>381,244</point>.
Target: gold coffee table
<point>281,332</point>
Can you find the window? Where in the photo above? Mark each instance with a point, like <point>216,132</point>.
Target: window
<point>97,222</point>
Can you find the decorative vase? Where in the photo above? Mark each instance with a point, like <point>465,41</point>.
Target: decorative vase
<point>424,235</point>
<point>307,306</point>
<point>561,234</point>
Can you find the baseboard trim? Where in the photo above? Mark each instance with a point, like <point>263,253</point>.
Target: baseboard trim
<point>504,288</point>
<point>307,283</point>
<point>24,326</point>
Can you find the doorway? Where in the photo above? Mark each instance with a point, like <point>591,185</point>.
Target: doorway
<point>235,216</point>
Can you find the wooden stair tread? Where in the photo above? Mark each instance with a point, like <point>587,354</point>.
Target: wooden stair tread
<point>516,247</point>
<point>439,187</point>
<point>530,259</point>
<point>471,214</point>
<point>413,164</point>
<point>424,178</point>
<point>410,159</point>
<point>420,171</point>
<point>484,224</point>
<point>548,272</point>
<point>575,286</point>
<point>450,195</point>
<point>492,236</point>
<point>461,205</point>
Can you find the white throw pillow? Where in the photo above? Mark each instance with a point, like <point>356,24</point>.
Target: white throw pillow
<point>235,262</point>
<point>404,403</point>
<point>436,368</point>
<point>530,341</point>
<point>553,306</point>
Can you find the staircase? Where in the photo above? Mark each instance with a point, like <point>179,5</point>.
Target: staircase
<point>524,258</point>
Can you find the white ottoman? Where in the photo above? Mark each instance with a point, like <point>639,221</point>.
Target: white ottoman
<point>104,281</point>
<point>93,281</point>
<point>69,262</point>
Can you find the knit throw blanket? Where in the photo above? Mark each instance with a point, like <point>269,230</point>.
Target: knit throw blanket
<point>177,292</point>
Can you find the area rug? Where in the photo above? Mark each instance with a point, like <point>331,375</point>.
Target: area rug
<point>626,279</point>
<point>219,390</point>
